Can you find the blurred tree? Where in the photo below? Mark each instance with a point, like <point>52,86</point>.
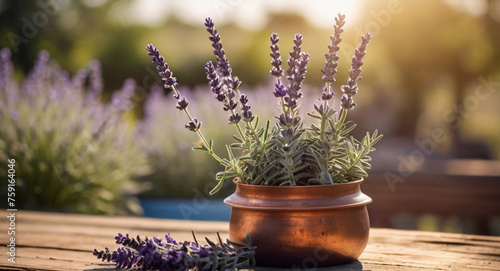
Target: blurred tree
<point>74,34</point>
<point>426,41</point>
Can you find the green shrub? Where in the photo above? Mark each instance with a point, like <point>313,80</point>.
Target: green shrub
<point>72,152</point>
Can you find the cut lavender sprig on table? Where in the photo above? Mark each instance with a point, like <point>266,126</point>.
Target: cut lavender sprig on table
<point>170,255</point>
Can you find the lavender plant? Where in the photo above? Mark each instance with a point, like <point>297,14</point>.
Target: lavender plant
<point>168,254</point>
<point>286,153</point>
<point>72,152</point>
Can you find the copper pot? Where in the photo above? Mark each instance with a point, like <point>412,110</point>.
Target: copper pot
<point>301,226</point>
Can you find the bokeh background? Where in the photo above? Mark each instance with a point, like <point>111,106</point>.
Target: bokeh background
<point>430,84</point>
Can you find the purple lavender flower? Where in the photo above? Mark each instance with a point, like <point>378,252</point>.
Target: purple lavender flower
<point>125,240</point>
<point>120,238</point>
<point>193,125</point>
<point>214,82</point>
<point>232,104</point>
<point>124,257</point>
<point>245,109</point>
<point>6,68</point>
<point>162,66</point>
<point>331,63</point>
<point>182,103</point>
<point>235,118</point>
<point>95,80</point>
<point>221,81</point>
<point>40,73</point>
<point>280,90</point>
<point>153,254</point>
<point>296,78</point>
<point>294,55</point>
<point>297,63</point>
<point>7,83</point>
<point>354,73</point>
<point>120,100</point>
<point>223,66</point>
<point>170,240</point>
<point>78,80</point>
<point>297,68</point>
<point>276,56</point>
<point>277,71</point>
<point>105,254</point>
<point>169,83</point>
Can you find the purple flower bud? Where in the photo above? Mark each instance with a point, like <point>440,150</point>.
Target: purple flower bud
<point>287,134</point>
<point>235,83</point>
<point>347,102</point>
<point>243,99</point>
<point>210,71</point>
<point>327,94</point>
<point>182,103</point>
<point>221,97</point>
<point>230,106</point>
<point>247,114</point>
<point>286,120</point>
<point>234,119</point>
<point>279,90</point>
<point>193,125</point>
<point>245,110</point>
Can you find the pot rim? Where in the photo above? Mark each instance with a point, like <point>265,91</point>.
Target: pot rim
<point>297,198</point>
<point>235,181</point>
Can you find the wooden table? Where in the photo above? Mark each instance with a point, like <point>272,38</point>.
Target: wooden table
<point>54,241</point>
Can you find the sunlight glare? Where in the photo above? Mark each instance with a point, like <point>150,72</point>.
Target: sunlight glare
<point>250,15</point>
<point>321,13</point>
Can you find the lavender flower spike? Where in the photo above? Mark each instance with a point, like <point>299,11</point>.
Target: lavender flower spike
<point>354,73</point>
<point>220,79</point>
<point>6,68</point>
<point>245,109</point>
<point>121,100</point>
<point>296,72</point>
<point>279,90</point>
<point>169,83</point>
<point>162,66</point>
<point>214,82</point>
<point>331,63</point>
<point>223,66</point>
<point>276,56</point>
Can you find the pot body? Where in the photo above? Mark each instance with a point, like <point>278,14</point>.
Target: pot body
<point>301,226</point>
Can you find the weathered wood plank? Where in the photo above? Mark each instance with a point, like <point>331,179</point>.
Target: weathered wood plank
<point>49,241</point>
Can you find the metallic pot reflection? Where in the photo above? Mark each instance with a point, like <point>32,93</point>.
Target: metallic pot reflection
<point>301,226</point>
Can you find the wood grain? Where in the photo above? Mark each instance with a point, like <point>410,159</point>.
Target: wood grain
<point>52,241</point>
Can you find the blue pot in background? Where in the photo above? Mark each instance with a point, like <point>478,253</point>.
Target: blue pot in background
<point>186,209</point>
